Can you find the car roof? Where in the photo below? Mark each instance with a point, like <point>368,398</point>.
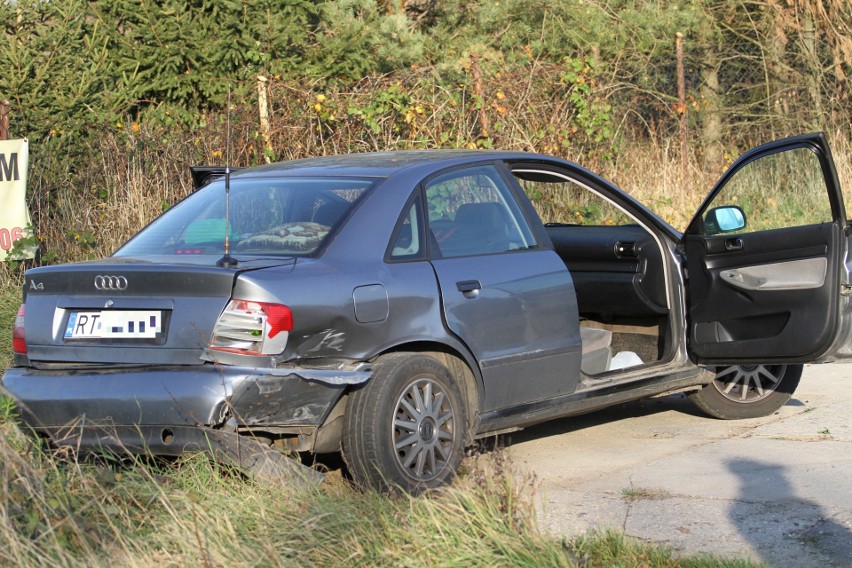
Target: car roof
<point>379,164</point>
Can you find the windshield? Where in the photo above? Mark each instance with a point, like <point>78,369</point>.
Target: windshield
<point>279,217</point>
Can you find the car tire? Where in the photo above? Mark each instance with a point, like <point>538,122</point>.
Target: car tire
<point>747,391</point>
<point>404,429</point>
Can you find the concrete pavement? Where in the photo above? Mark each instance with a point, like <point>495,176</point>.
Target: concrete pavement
<point>776,489</point>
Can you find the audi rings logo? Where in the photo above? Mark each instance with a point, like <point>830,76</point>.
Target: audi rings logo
<point>110,282</point>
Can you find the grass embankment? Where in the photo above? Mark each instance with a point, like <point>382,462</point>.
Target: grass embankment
<point>192,513</point>
<point>58,512</point>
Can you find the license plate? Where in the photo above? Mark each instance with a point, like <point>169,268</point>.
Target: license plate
<point>114,324</point>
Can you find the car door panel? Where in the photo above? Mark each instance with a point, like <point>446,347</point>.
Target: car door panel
<point>505,295</point>
<point>769,295</point>
<point>519,319</point>
<point>747,323</point>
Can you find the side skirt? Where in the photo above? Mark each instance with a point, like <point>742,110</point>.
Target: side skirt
<point>582,402</point>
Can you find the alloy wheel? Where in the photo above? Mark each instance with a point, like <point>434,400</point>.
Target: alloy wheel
<point>423,428</point>
<point>748,383</point>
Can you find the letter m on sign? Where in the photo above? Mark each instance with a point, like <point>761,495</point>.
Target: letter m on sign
<point>9,168</point>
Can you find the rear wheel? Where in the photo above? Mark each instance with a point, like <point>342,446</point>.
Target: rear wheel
<point>405,428</point>
<point>748,391</point>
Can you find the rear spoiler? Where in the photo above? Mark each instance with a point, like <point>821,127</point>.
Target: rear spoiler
<point>202,175</point>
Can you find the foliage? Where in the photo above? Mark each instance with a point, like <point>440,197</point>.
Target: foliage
<point>120,98</point>
<point>58,73</point>
<point>368,42</point>
<point>75,63</point>
<point>184,55</point>
<point>26,246</point>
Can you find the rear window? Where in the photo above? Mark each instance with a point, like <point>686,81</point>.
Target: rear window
<point>284,216</point>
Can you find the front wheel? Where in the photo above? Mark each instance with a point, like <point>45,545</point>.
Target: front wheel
<point>404,429</point>
<point>747,391</point>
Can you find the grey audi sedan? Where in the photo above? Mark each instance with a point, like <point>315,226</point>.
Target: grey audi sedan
<point>396,306</point>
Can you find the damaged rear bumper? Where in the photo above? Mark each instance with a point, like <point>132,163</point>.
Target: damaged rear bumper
<point>171,410</point>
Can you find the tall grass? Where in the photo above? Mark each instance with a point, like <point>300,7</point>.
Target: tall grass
<point>10,299</point>
<point>55,511</point>
<point>138,175</point>
<point>129,173</point>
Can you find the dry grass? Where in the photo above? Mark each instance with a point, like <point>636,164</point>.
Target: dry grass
<point>10,299</point>
<point>652,174</point>
<point>129,174</point>
<point>193,513</point>
<point>58,512</point>
<point>127,189</point>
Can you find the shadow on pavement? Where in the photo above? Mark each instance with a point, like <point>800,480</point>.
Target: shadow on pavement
<point>768,512</point>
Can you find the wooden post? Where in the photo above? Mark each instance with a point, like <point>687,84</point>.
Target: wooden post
<point>4,120</point>
<point>263,111</point>
<point>477,90</point>
<point>681,106</point>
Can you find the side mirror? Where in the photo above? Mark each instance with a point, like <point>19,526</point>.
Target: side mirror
<point>724,220</point>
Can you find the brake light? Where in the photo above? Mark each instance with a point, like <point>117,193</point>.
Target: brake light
<point>19,342</point>
<point>252,328</point>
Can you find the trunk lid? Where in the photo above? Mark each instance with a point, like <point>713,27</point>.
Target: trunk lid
<point>127,311</point>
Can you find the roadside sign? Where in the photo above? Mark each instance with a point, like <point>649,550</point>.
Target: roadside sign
<point>14,216</point>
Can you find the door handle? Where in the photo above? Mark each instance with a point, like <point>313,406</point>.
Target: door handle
<point>470,288</point>
<point>625,249</point>
<point>735,243</point>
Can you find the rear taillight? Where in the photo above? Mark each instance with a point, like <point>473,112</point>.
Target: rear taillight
<point>252,328</point>
<point>19,342</point>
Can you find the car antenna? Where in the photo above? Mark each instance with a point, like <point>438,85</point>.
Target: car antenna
<point>227,261</point>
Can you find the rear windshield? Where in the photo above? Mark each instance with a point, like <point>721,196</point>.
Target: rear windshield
<point>280,217</point>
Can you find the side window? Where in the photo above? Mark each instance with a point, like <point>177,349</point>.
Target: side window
<point>561,201</point>
<point>407,240</point>
<point>785,189</point>
<point>472,211</point>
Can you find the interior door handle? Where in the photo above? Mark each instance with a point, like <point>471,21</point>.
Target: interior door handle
<point>625,249</point>
<point>735,243</point>
<point>470,288</point>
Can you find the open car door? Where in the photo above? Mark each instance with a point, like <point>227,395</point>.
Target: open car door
<point>767,274</point>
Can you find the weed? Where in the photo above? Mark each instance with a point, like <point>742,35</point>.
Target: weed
<point>635,493</point>
<point>612,548</point>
